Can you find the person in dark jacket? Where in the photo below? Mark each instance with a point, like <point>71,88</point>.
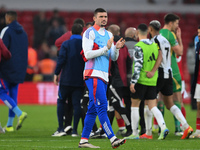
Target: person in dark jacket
<point>71,84</point>
<point>13,71</point>
<point>69,113</point>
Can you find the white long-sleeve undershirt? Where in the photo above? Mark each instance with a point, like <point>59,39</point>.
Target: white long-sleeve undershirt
<point>88,42</point>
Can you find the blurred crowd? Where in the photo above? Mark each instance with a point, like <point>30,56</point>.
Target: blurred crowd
<point>42,53</point>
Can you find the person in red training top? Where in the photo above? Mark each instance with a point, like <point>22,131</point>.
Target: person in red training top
<point>68,34</point>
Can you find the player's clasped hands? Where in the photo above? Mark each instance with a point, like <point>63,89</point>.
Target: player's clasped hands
<point>110,41</point>
<point>120,43</point>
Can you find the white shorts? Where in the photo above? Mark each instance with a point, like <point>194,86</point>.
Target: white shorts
<point>197,92</point>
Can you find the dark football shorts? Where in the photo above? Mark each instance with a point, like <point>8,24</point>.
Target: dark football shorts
<point>165,86</point>
<point>144,92</point>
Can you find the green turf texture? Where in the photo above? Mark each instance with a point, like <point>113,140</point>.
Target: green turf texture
<point>41,123</point>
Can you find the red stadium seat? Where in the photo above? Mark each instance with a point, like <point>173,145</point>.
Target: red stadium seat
<point>151,16</point>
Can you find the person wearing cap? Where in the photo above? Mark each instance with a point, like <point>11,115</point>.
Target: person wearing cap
<point>142,87</point>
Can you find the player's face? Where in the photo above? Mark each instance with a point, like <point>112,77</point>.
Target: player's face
<point>7,19</point>
<point>101,19</point>
<point>175,25</point>
<point>198,33</point>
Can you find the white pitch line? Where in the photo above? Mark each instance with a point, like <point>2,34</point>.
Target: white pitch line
<point>52,147</point>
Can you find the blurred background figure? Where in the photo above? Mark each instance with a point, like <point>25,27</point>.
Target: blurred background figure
<point>40,25</point>
<point>191,60</point>
<point>89,24</point>
<point>56,16</point>
<point>46,67</point>
<point>54,31</point>
<point>32,64</point>
<point>43,50</point>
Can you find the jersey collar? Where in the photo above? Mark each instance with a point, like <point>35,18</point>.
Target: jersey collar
<point>97,27</point>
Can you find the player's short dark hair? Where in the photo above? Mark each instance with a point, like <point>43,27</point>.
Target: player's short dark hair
<point>155,24</point>
<point>99,10</point>
<point>199,27</point>
<point>79,21</point>
<point>143,27</point>
<point>89,23</point>
<point>13,14</point>
<point>171,18</point>
<point>77,29</point>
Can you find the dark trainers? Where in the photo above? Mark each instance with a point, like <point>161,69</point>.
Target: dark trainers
<point>59,133</point>
<point>128,133</point>
<point>117,142</point>
<point>95,134</point>
<point>87,145</point>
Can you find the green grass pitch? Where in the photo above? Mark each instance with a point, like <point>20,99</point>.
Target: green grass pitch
<point>36,131</point>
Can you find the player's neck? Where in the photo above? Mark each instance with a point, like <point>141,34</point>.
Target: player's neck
<point>141,37</point>
<point>156,33</point>
<point>167,27</point>
<point>97,27</point>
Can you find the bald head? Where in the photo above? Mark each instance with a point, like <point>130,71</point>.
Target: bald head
<point>131,32</point>
<point>114,29</point>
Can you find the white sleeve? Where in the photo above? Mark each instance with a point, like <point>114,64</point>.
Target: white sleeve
<point>114,53</point>
<point>88,42</point>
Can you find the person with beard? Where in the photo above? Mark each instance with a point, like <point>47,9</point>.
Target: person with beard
<point>172,33</point>
<point>96,76</point>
